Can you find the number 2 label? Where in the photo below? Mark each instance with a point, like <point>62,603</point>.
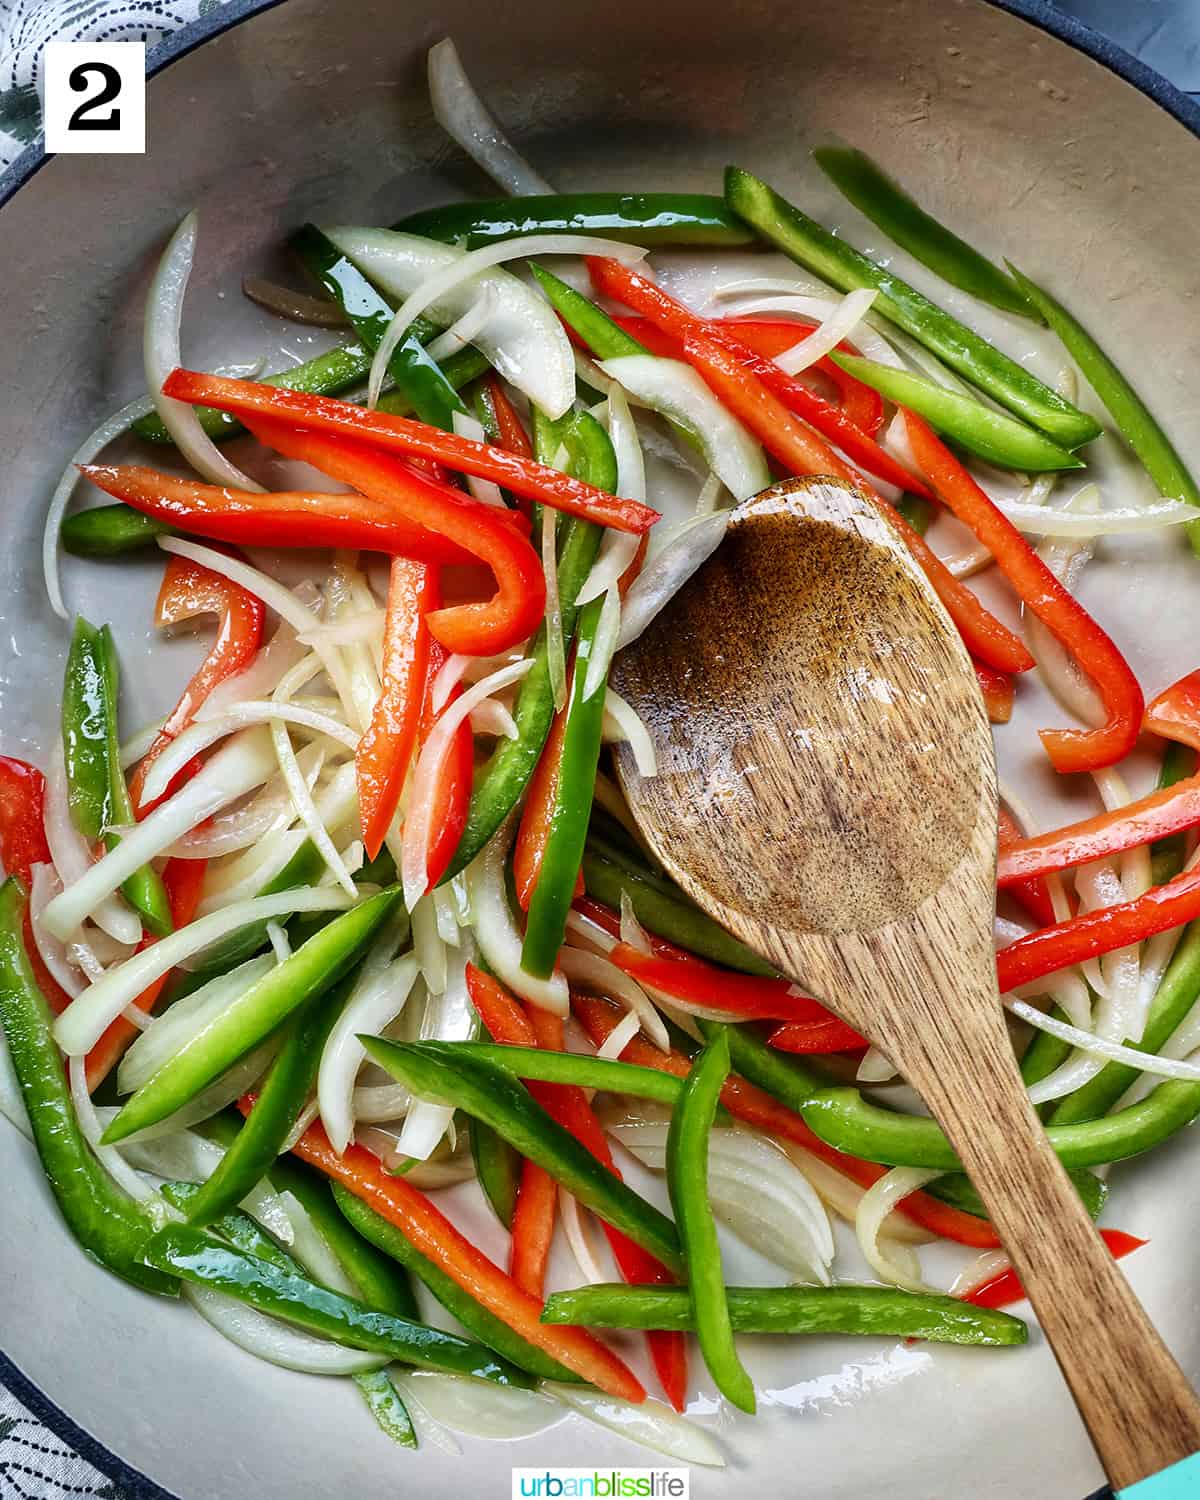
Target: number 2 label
<point>95,97</point>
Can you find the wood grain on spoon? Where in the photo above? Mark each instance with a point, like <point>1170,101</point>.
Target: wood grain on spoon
<point>827,790</point>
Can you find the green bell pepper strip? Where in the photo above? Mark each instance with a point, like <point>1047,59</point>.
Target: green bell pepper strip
<point>108,1225</point>
<point>304,868</point>
<point>498,1168</point>
<point>110,531</point>
<point>903,220</point>
<point>96,792</point>
<point>687,1181</point>
<point>1167,855</point>
<point>993,435</point>
<point>381,1396</point>
<point>917,511</point>
<point>843,1118</point>
<point>1172,477</point>
<point>310,971</point>
<point>550,901</point>
<point>200,1257</point>
<point>636,218</point>
<point>578,1068</point>
<point>477,1320</point>
<point>604,337</point>
<point>664,910</point>
<point>505,775</point>
<point>959,1191</point>
<point>808,243</point>
<point>415,373</point>
<point>875,1311</point>
<point>440,1071</point>
<point>281,1097</point>
<point>325,375</point>
<point>1177,993</point>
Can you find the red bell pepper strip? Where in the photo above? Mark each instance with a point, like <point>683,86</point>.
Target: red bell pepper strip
<point>1032,894</point>
<point>189,589</point>
<point>1175,713</point>
<point>382,759</point>
<point>997,690</point>
<point>513,437</point>
<point>770,337</point>
<point>537,814</point>
<point>509,1023</point>
<point>534,1217</point>
<point>289,518</point>
<point>23,845</point>
<point>1054,605</point>
<point>523,476</point>
<point>1157,815</point>
<point>1006,1288</point>
<point>438,1240</point>
<point>745,1101</point>
<point>748,996</point>
<point>625,284</point>
<point>453,793</point>
<point>183,879</point>
<point>1092,933</point>
<point>800,451</point>
<point>485,531</point>
<point>816,1037</point>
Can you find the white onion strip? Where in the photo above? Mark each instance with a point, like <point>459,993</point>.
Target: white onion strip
<point>592,972</point>
<point>556,651</point>
<point>623,724</point>
<point>693,544</point>
<point>238,767</point>
<point>276,1342</point>
<point>618,548</point>
<point>466,267</point>
<point>824,339</point>
<point>486,491</point>
<point>1086,1041</point>
<point>448,1017</point>
<point>650,1423</point>
<point>72,859</point>
<point>161,354</point>
<point>43,887</point>
<point>462,332</point>
<point>496,930</point>
<point>877,1203</point>
<point>620,1036</point>
<point>575,1227</point>
<point>1045,520</point>
<point>417,825</point>
<point>603,644</point>
<point>108,1156</point>
<point>377,999</point>
<point>81,1025</point>
<point>465,118</point>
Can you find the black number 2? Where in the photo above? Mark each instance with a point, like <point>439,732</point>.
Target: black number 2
<point>110,88</point>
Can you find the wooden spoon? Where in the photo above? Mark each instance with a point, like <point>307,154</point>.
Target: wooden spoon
<point>826,790</point>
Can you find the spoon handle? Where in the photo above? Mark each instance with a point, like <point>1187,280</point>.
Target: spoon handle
<point>1137,1405</point>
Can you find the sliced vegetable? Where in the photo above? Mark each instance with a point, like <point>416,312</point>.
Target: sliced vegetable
<point>1006,1288</point>
<point>498,1169</point>
<point>640,218</point>
<point>873,1311</point>
<point>534,1218</point>
<point>964,351</point>
<point>903,220</point>
<point>687,1179</point>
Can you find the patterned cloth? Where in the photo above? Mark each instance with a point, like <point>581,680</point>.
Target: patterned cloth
<point>35,1464</point>
<point>27,25</point>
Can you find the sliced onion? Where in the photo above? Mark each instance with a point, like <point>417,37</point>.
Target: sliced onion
<point>447,678</point>
<point>633,934</point>
<point>1086,1041</point>
<point>496,930</point>
<point>839,325</point>
<point>44,886</point>
<point>376,1000</point>
<point>449,1017</point>
<point>817,308</point>
<point>462,271</point>
<point>73,860</point>
<point>88,451</point>
<point>901,1268</point>
<point>592,972</point>
<point>618,548</point>
<point>235,769</point>
<point>986,1266</point>
<point>418,824</point>
<point>1067,558</point>
<point>709,498</point>
<point>377,1103</point>
<point>220,1094</point>
<point>465,118</point>
<point>1046,520</point>
<point>620,1036</point>
<point>844,1196</point>
<point>479,1408</point>
<point>589,936</point>
<point>367,626</point>
<point>462,332</point>
<point>161,353</point>
<point>676,391</point>
<point>84,1021</point>
<point>693,543</point>
<point>522,337</point>
<point>493,718</point>
<point>12,1100</point>
<point>576,1230</point>
<point>180,1022</point>
<point>244,876</point>
<point>429,945</point>
<point>277,596</point>
<point>875,1067</point>
<point>278,939</point>
<point>556,651</point>
<point>486,491</point>
<point>274,1341</point>
<point>623,725</point>
<point>267,814</point>
<point>278,656</point>
<point>756,1190</point>
<point>604,644</point>
<point>650,1423</point>
<point>300,307</point>
<point>108,1156</point>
